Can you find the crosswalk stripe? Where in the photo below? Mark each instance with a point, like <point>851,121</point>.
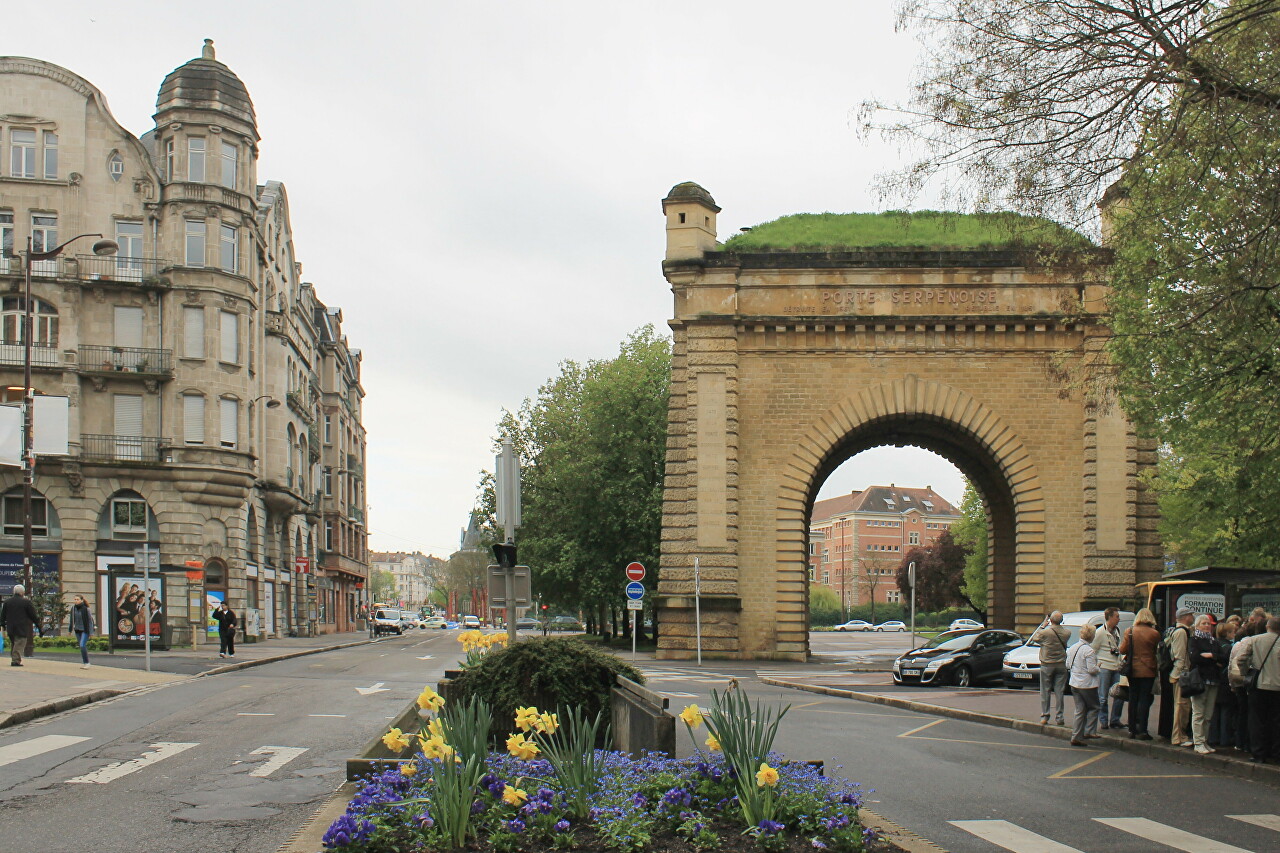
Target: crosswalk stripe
<point>1266,821</point>
<point>1168,835</point>
<point>114,771</point>
<point>1010,836</point>
<point>36,746</point>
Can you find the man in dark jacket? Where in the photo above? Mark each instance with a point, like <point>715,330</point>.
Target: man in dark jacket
<point>18,615</point>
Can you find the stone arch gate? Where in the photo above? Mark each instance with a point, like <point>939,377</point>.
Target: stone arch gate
<point>786,364</point>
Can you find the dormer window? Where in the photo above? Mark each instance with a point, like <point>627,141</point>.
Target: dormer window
<point>928,505</point>
<point>115,166</point>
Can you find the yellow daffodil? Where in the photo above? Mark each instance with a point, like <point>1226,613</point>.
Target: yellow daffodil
<point>435,728</point>
<point>692,716</point>
<point>428,699</point>
<point>408,769</point>
<point>525,718</point>
<point>395,740</point>
<point>435,747</point>
<point>513,796</point>
<point>547,723</point>
<point>766,777</point>
<point>521,748</point>
<point>712,743</point>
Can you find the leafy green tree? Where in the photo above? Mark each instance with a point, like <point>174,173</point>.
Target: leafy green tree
<point>970,533</point>
<point>382,585</point>
<point>824,606</point>
<point>939,574</point>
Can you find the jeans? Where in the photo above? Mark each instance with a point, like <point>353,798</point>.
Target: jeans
<point>1107,678</point>
<point>1222,726</point>
<point>83,638</point>
<point>1242,718</point>
<point>1140,699</point>
<point>1086,721</point>
<point>1201,711</point>
<point>1053,678</point>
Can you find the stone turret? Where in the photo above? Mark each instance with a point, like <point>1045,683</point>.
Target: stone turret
<point>691,221</point>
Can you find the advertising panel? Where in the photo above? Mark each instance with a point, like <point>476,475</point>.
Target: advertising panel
<point>11,572</point>
<point>1214,603</point>
<point>212,598</point>
<point>137,608</point>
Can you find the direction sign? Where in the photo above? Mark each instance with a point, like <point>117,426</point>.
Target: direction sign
<point>635,604</point>
<point>635,572</point>
<point>635,590</point>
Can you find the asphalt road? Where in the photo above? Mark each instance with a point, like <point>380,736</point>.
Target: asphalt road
<point>230,762</point>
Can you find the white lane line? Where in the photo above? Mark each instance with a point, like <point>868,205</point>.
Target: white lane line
<point>327,715</point>
<point>253,714</point>
<point>36,746</point>
<point>1010,836</point>
<point>1169,836</point>
<point>280,756</point>
<point>114,771</point>
<point>1266,821</point>
<point>425,657</point>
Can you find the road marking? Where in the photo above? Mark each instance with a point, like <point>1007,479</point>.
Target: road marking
<point>1266,821</point>
<point>376,688</point>
<point>36,746</point>
<point>425,657</point>
<point>1011,836</point>
<point>253,714</point>
<point>327,715</point>
<point>920,729</point>
<point>123,768</point>
<point>280,756</point>
<point>675,695</point>
<point>1063,774</point>
<point>1168,835</point>
<point>912,734</point>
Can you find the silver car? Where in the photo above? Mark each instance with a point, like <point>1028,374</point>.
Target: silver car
<point>1022,665</point>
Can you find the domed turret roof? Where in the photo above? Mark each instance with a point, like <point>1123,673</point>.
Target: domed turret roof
<point>206,83</point>
<point>689,191</point>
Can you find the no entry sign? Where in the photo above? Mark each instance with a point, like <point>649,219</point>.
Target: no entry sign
<point>635,572</point>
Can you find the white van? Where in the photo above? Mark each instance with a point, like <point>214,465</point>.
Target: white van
<point>1022,665</point>
<point>470,621</point>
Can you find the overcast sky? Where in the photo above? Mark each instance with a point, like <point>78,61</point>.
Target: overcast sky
<point>477,184</point>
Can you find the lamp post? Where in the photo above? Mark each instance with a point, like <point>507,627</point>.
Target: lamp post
<point>102,247</point>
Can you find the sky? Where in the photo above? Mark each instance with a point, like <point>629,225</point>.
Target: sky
<point>477,184</point>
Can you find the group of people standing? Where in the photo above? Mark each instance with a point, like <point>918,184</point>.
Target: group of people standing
<point>1223,678</point>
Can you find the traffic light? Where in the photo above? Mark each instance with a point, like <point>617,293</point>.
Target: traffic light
<point>544,607</point>
<point>505,555</point>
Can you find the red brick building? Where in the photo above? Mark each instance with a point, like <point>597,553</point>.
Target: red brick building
<point>856,541</point>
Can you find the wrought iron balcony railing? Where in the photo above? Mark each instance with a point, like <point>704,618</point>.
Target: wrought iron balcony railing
<point>42,354</point>
<point>136,449</point>
<point>113,268</point>
<point>108,359</point>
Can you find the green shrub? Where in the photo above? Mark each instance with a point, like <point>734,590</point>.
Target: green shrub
<point>546,672</point>
<point>69,644</point>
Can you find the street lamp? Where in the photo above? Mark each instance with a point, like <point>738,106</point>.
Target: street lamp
<point>101,247</point>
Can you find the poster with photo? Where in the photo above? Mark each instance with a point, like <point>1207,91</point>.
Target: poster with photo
<point>212,598</point>
<point>137,608</point>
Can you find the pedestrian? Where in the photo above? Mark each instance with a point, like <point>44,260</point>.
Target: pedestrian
<point>226,619</point>
<point>1264,695</point>
<point>1053,639</point>
<point>81,625</point>
<point>21,622</point>
<point>1106,645</point>
<point>1139,646</point>
<point>1222,727</point>
<point>1206,656</point>
<point>1082,664</point>
<point>1237,672</point>
<point>1178,638</point>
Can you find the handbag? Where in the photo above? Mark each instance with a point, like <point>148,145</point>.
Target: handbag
<point>1251,680</point>
<point>1191,682</point>
<point>1119,691</point>
<point>1126,662</point>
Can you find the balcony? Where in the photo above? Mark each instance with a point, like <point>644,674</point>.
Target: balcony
<point>209,194</point>
<point>298,402</point>
<point>126,449</point>
<point>42,355</point>
<point>131,360</point>
<point>313,443</point>
<point>356,515</point>
<point>354,468</point>
<point>118,269</point>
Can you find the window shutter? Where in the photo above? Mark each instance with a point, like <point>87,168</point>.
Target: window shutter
<point>193,332</point>
<point>230,423</point>
<point>230,337</point>
<point>128,411</point>
<point>193,419</point>
<point>128,326</point>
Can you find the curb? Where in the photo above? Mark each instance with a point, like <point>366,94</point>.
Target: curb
<point>309,838</point>
<point>57,706</point>
<point>890,831</point>
<point>233,667</point>
<point>1268,774</point>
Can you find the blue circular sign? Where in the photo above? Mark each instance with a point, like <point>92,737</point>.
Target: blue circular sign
<point>635,590</point>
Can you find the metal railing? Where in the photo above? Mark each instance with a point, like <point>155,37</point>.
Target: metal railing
<point>119,268</point>
<point>121,448</point>
<point>42,354</point>
<point>98,358</point>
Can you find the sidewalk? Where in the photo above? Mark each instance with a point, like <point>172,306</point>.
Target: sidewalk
<point>52,682</point>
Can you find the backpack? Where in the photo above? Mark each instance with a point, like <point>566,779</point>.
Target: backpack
<point>1164,649</point>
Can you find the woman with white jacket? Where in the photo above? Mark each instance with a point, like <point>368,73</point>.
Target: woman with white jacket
<point>1082,675</point>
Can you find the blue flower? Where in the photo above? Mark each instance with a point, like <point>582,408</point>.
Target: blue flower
<point>561,825</point>
<point>769,827</point>
<point>515,825</point>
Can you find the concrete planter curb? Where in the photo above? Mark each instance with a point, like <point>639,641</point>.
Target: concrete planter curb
<point>1268,774</point>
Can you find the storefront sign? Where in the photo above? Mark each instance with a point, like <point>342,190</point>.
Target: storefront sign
<point>1214,603</point>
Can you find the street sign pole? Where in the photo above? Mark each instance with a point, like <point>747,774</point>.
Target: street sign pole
<point>507,492</point>
<point>911,580</point>
<point>697,607</point>
<point>146,584</point>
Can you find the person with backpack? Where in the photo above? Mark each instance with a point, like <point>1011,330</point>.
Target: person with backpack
<point>1053,638</point>
<point>1173,650</point>
<point>1139,647</point>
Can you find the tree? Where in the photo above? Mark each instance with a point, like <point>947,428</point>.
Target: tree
<point>939,574</point>
<point>970,533</point>
<point>382,586</point>
<point>824,606</point>
<point>873,571</point>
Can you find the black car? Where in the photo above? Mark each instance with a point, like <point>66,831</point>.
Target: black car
<point>956,657</point>
<point>526,623</point>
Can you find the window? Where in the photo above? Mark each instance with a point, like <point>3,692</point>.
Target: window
<point>127,327</point>
<point>228,249</point>
<point>44,233</point>
<point>115,166</point>
<point>128,516</point>
<point>328,483</point>
<point>195,159</point>
<point>50,155</point>
<point>826,577</point>
<point>192,331</point>
<point>129,258</point>
<point>230,329</point>
<point>928,505</point>
<point>913,538</point>
<point>43,315</point>
<point>22,154</point>
<point>193,418</point>
<point>328,429</point>
<point>195,242</point>
<point>169,173</point>
<point>230,421</point>
<point>13,525</point>
<point>328,535</point>
<point>893,596</point>
<point>6,234</point>
<point>229,162</point>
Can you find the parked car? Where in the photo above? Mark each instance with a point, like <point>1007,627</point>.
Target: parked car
<point>965,624</point>
<point>387,621</point>
<point>409,619</point>
<point>1022,665</point>
<point>528,623</point>
<point>436,622</point>
<point>892,626</point>
<point>565,623</point>
<point>856,625</point>
<point>963,658</point>
<point>470,621</point>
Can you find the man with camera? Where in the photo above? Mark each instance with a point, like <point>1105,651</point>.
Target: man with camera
<point>1053,639</point>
